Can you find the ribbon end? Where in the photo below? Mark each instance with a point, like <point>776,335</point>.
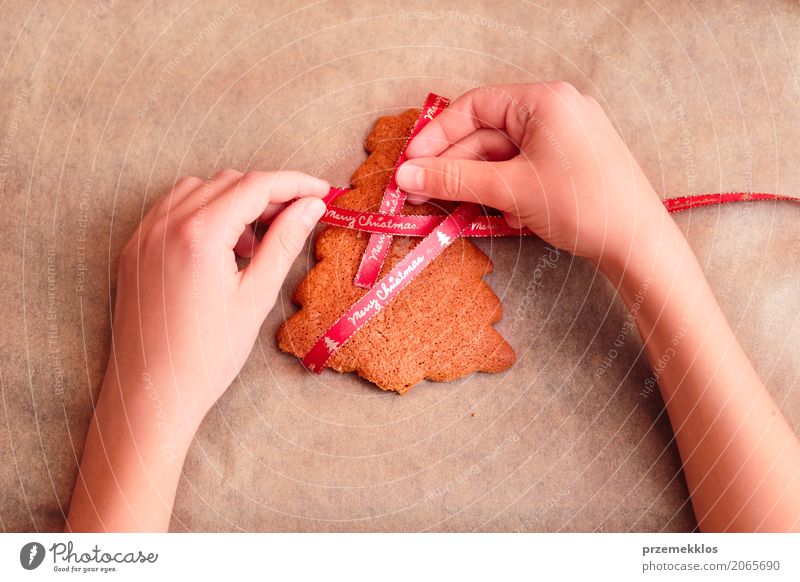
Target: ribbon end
<point>313,367</point>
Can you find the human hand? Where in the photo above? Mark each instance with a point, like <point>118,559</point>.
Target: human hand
<point>185,320</point>
<point>185,315</point>
<point>547,157</point>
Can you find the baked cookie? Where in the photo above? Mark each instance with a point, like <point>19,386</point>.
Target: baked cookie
<point>439,327</point>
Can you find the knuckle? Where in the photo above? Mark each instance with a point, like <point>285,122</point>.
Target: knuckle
<point>592,101</point>
<point>254,179</point>
<point>227,173</point>
<point>449,177</point>
<point>188,182</point>
<point>184,232</point>
<point>476,91</point>
<point>563,88</point>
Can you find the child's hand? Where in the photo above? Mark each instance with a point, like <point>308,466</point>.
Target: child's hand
<point>185,315</point>
<point>184,322</point>
<point>565,174</point>
<point>545,155</point>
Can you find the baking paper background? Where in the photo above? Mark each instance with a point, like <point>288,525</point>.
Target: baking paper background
<point>104,104</point>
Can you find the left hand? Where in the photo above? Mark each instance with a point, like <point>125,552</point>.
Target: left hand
<point>185,315</point>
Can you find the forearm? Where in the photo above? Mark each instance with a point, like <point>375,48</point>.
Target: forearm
<point>740,457</point>
<point>132,458</point>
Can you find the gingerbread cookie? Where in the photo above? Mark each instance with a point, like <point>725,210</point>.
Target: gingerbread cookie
<point>439,327</point>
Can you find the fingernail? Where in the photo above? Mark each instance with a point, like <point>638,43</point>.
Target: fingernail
<point>312,211</point>
<point>410,177</point>
<point>416,200</point>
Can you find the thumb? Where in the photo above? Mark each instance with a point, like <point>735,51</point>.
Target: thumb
<point>487,183</point>
<point>280,246</point>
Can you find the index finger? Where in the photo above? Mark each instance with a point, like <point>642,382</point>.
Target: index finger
<point>503,107</point>
<point>252,195</point>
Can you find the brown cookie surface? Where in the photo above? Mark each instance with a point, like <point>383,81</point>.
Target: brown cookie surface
<point>439,327</point>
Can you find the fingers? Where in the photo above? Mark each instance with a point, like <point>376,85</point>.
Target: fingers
<point>182,188</point>
<point>187,194</point>
<point>250,197</point>
<point>503,107</point>
<point>485,144</point>
<point>206,191</point>
<point>271,211</point>
<point>248,241</point>
<point>247,244</point>
<point>179,191</point>
<point>488,183</point>
<point>279,248</point>
<point>513,220</point>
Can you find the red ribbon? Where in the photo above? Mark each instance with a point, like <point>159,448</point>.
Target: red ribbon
<point>439,231</point>
<point>393,199</point>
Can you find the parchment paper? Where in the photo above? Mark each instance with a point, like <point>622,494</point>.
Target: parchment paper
<point>104,104</point>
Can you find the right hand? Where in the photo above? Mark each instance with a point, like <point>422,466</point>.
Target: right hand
<point>547,157</point>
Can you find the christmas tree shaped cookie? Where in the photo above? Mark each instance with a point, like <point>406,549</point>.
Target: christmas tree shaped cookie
<point>439,327</point>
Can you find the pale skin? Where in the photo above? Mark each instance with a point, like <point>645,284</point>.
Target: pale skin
<point>548,157</point>
<point>186,319</point>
